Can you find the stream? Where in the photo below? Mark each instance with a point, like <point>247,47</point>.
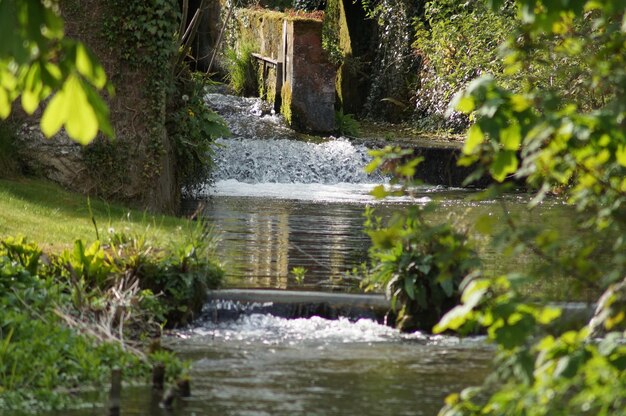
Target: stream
<point>279,202</point>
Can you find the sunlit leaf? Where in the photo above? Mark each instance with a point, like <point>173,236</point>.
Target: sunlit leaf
<point>519,103</point>
<point>511,137</point>
<point>548,314</point>
<point>54,115</point>
<point>453,320</point>
<point>465,104</point>
<point>89,67</point>
<point>504,164</point>
<point>620,155</point>
<point>379,192</point>
<point>475,138</point>
<point>5,104</point>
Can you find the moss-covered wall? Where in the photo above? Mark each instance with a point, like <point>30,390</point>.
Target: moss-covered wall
<point>308,92</point>
<point>138,167</point>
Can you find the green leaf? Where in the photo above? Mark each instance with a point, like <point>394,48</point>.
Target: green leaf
<point>89,67</point>
<point>81,123</point>
<point>379,192</point>
<point>54,115</point>
<point>504,164</point>
<point>475,138</point>
<point>547,314</point>
<point>466,104</point>
<point>409,287</point>
<point>454,319</point>
<point>5,104</point>
<point>519,103</point>
<point>511,137</point>
<point>473,294</point>
<point>448,286</point>
<point>620,154</point>
<point>70,107</point>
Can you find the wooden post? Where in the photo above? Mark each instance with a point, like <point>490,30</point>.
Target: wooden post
<point>279,86</point>
<point>184,387</point>
<point>158,376</point>
<point>169,397</point>
<point>116,392</point>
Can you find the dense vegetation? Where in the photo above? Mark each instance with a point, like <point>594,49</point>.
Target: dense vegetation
<point>553,120</point>
<point>68,319</point>
<point>106,283</point>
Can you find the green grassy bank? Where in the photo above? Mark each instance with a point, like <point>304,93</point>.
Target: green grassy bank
<point>75,304</point>
<point>53,217</point>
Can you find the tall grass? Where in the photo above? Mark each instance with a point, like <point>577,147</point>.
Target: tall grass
<point>242,75</point>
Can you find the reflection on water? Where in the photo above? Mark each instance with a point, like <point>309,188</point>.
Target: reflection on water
<point>263,238</point>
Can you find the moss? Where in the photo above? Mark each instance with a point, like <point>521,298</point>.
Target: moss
<point>285,106</point>
<point>291,15</point>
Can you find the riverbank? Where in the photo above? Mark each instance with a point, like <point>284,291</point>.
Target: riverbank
<point>54,217</point>
<point>89,289</point>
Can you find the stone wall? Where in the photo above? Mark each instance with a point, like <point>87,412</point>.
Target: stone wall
<point>308,93</point>
<point>311,76</point>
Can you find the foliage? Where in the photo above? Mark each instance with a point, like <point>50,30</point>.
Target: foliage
<point>37,63</point>
<point>299,273</point>
<point>309,5</point>
<point>39,354</point>
<point>285,102</point>
<point>330,32</point>
<point>144,32</point>
<point>179,274</point>
<point>418,264</point>
<point>394,66</point>
<point>347,125</point>
<point>242,75</point>
<point>457,42</point>
<point>67,319</point>
<point>194,127</point>
<point>567,137</point>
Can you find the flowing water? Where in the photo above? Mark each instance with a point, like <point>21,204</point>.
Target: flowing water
<point>263,365</point>
<point>279,203</point>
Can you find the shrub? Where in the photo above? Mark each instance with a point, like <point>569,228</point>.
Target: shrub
<point>346,124</point>
<point>457,42</point>
<point>193,126</point>
<point>420,266</point>
<point>39,353</point>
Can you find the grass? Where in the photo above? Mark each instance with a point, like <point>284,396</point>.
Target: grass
<point>55,218</point>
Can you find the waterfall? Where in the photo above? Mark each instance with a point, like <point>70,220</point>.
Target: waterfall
<point>288,161</point>
<point>266,158</point>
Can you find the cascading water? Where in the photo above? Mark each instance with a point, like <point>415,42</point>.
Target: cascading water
<point>288,161</point>
<point>265,158</point>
